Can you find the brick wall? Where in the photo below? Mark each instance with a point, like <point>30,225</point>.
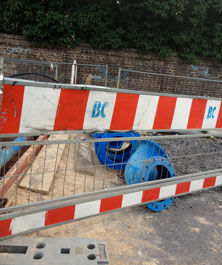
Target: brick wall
<point>15,47</point>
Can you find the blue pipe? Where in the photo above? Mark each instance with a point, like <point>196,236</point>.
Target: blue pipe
<point>8,153</point>
<point>106,153</point>
<point>157,166</point>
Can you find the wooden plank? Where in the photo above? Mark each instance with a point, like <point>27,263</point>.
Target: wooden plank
<point>83,159</point>
<point>41,174</point>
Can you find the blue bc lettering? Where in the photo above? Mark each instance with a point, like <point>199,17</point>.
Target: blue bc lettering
<point>211,112</point>
<point>99,109</point>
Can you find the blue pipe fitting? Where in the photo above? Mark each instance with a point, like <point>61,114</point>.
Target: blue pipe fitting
<point>106,153</point>
<point>150,149</point>
<point>8,153</point>
<point>157,166</point>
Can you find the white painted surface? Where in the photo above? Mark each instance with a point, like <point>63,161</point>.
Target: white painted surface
<point>181,113</point>
<point>87,209</point>
<point>39,109</point>
<point>99,122</point>
<point>132,199</point>
<point>218,180</point>
<point>146,112</point>
<point>211,122</point>
<point>27,222</point>
<point>167,191</point>
<point>196,184</point>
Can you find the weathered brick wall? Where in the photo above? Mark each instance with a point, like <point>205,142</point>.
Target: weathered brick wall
<point>15,47</point>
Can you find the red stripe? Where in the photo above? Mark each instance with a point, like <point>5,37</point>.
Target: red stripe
<point>183,187</point>
<point>209,182</point>
<point>110,204</point>
<point>197,112</point>
<point>151,195</point>
<point>124,111</point>
<point>5,228</point>
<point>71,109</point>
<point>164,113</point>
<point>219,119</point>
<point>60,215</point>
<point>11,108</point>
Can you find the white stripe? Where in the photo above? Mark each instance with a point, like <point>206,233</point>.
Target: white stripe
<point>181,113</point>
<point>132,199</point>
<point>103,104</point>
<point>27,222</point>
<point>87,209</point>
<point>218,181</point>
<point>211,114</point>
<point>167,191</point>
<point>39,109</point>
<point>146,112</point>
<point>196,184</point>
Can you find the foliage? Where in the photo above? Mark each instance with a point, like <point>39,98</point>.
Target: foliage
<point>188,27</point>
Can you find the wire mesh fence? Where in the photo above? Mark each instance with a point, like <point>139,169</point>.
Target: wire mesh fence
<point>87,163</point>
<point>173,84</point>
<point>102,75</point>
<point>56,72</point>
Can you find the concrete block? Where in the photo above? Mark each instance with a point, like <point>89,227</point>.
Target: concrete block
<point>56,251</point>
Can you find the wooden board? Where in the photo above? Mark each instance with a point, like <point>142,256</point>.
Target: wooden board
<point>40,175</point>
<point>83,159</point>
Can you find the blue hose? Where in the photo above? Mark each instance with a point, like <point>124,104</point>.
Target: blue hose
<point>8,153</point>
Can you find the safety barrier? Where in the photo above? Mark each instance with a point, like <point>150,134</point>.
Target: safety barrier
<point>37,107</point>
<point>71,180</point>
<point>73,184</point>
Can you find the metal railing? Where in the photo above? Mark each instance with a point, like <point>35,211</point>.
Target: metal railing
<point>102,75</point>
<point>60,71</point>
<point>167,83</point>
<point>66,177</point>
<point>70,167</point>
<point>71,172</point>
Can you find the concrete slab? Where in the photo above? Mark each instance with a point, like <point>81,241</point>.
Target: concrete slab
<point>57,251</point>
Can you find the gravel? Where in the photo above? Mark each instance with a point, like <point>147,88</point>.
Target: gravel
<point>193,155</point>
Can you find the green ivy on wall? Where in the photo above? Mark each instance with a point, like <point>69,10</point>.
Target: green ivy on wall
<point>186,27</point>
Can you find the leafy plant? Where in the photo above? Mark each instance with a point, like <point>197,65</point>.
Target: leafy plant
<point>187,27</point>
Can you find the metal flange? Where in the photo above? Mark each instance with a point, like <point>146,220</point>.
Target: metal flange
<point>143,166</point>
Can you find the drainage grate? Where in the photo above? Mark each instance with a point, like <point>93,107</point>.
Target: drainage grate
<point>47,251</point>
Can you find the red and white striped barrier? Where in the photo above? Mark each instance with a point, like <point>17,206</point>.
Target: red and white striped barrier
<point>29,109</point>
<point>44,219</point>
